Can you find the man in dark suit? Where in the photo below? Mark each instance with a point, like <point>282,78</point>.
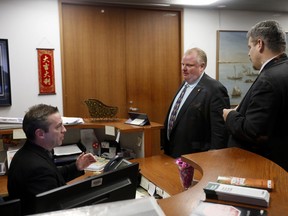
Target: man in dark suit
<point>195,123</point>
<point>32,170</point>
<point>260,122</point>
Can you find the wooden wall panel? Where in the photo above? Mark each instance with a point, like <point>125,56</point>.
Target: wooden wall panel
<point>94,57</point>
<point>120,55</point>
<point>153,60</point>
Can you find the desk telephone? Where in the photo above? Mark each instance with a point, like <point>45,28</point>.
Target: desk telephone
<point>116,162</point>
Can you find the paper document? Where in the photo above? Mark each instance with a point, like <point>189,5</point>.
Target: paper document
<point>98,165</point>
<point>19,134</point>
<point>67,150</point>
<point>109,130</point>
<point>137,121</point>
<point>10,155</point>
<point>72,120</point>
<point>5,126</point>
<point>11,120</point>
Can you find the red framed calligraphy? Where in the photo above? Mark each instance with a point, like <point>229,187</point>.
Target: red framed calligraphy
<point>46,71</point>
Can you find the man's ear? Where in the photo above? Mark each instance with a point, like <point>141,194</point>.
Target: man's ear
<point>39,133</point>
<point>261,45</point>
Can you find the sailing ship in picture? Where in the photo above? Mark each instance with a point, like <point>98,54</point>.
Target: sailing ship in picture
<point>235,76</point>
<point>236,92</point>
<point>248,72</point>
<point>234,70</point>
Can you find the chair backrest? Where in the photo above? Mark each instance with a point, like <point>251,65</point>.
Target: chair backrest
<point>11,207</point>
<point>97,109</point>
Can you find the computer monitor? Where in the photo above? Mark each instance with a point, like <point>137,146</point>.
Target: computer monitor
<point>114,185</point>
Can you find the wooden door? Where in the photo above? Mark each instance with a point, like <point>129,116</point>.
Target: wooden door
<point>153,60</point>
<point>93,57</point>
<point>124,57</point>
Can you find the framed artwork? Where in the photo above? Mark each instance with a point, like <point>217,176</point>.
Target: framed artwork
<point>234,69</point>
<point>5,88</point>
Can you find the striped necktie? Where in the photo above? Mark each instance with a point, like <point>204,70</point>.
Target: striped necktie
<point>175,109</point>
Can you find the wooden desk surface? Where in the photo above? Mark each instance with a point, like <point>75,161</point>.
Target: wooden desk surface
<point>119,123</point>
<point>229,162</point>
<point>3,186</point>
<point>163,172</point>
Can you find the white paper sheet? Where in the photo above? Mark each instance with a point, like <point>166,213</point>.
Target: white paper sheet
<point>66,150</point>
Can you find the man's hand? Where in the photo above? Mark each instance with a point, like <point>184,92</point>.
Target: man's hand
<point>227,111</point>
<point>84,160</point>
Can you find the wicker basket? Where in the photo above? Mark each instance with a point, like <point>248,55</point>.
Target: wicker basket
<point>97,109</point>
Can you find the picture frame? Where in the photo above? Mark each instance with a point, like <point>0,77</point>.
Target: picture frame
<point>5,87</point>
<point>234,69</point>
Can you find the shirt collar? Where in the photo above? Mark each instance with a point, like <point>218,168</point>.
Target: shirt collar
<point>265,63</point>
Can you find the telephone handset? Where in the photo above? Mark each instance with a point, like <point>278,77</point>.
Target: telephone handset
<point>113,163</point>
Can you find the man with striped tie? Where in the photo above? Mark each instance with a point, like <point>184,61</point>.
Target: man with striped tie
<point>194,122</point>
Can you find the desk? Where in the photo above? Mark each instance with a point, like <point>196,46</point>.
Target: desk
<point>150,133</point>
<point>150,138</point>
<point>234,162</point>
<point>162,171</point>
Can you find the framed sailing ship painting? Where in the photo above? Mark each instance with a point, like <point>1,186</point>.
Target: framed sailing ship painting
<point>234,69</point>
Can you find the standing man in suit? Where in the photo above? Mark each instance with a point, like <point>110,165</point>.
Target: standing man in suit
<point>32,170</point>
<point>194,122</point>
<point>260,122</point>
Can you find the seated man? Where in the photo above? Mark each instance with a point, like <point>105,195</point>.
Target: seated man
<point>32,170</point>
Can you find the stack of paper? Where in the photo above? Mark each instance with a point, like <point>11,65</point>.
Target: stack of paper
<point>66,154</point>
<point>10,122</point>
<point>98,165</point>
<point>66,150</point>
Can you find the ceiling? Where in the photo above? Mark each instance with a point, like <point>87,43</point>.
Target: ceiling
<point>251,5</point>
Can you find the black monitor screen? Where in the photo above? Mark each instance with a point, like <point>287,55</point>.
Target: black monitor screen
<point>114,185</point>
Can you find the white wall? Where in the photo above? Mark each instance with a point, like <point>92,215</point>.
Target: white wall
<point>200,27</point>
<point>31,24</point>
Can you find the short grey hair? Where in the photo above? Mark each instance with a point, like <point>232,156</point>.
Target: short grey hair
<point>271,33</point>
<point>201,55</point>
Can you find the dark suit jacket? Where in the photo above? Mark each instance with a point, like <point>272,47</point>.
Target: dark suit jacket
<point>32,171</point>
<point>260,124</point>
<point>199,125</point>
